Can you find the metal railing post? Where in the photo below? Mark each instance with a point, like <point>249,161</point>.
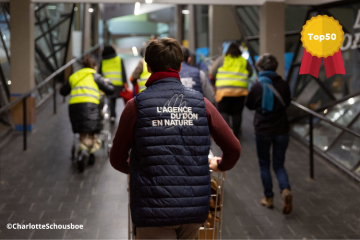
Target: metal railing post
<point>24,123</point>
<point>54,95</point>
<point>311,146</point>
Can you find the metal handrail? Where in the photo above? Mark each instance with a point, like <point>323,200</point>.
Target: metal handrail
<point>315,114</point>
<point>48,79</point>
<point>24,96</point>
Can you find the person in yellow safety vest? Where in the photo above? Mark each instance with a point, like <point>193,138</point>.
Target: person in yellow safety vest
<point>84,87</point>
<point>143,77</point>
<point>230,73</point>
<point>112,68</point>
<point>140,74</point>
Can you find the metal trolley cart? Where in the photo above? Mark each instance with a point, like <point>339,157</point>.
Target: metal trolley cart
<point>212,228</point>
<point>104,135</point>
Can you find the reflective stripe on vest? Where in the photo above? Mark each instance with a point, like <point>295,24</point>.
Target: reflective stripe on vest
<point>233,74</point>
<point>111,69</point>
<point>143,77</point>
<point>83,87</point>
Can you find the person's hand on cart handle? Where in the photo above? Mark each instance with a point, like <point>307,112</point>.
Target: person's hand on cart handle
<point>213,163</point>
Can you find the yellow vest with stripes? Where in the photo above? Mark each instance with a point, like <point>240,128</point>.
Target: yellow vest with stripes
<point>233,74</point>
<point>83,87</point>
<point>143,77</point>
<point>111,69</point>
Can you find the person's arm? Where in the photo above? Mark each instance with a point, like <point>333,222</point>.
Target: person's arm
<point>100,68</point>
<point>206,87</point>
<point>249,69</point>
<point>137,72</point>
<point>123,73</point>
<point>65,89</point>
<point>124,137</point>
<point>223,137</point>
<point>251,98</point>
<point>106,87</point>
<point>287,97</point>
<point>215,66</point>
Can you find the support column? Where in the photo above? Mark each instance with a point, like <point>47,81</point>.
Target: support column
<point>179,24</point>
<point>22,59</point>
<point>272,32</point>
<point>222,27</point>
<point>86,28</point>
<point>105,33</point>
<point>96,24</point>
<point>192,44</point>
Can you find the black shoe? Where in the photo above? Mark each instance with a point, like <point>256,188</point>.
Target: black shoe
<point>92,159</point>
<point>81,160</point>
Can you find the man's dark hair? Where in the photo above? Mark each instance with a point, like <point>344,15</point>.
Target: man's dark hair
<point>234,50</point>
<point>186,53</point>
<point>163,53</point>
<point>108,50</point>
<point>267,62</point>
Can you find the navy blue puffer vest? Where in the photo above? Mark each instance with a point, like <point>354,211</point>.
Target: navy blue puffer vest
<point>169,169</point>
<point>190,77</point>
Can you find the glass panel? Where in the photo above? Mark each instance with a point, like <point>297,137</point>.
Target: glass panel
<point>301,128</point>
<point>357,171</point>
<point>291,42</point>
<point>250,19</point>
<point>324,135</point>
<point>346,150</point>
<point>295,17</point>
<point>202,25</point>
<point>343,113</point>
<point>254,44</point>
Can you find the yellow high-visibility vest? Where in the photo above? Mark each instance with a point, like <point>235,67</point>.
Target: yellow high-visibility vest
<point>111,69</point>
<point>143,77</point>
<point>83,87</point>
<point>233,74</point>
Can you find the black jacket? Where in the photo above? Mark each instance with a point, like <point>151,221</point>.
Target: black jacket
<point>85,117</point>
<point>275,122</point>
<point>117,89</point>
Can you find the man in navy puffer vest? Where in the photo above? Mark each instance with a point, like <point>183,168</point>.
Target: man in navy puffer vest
<point>168,127</point>
<point>195,78</point>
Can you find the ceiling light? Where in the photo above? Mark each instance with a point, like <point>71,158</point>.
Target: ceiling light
<point>148,1</point>
<point>52,7</point>
<point>91,10</point>
<point>185,11</point>
<point>9,82</point>
<point>137,8</point>
<point>135,51</point>
<point>351,101</point>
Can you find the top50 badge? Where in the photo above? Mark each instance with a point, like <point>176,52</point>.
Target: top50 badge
<point>322,37</point>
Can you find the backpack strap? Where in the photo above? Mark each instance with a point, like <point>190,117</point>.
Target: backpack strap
<point>277,94</point>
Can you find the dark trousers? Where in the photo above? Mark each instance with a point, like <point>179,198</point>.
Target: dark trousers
<point>112,99</point>
<point>232,107</point>
<point>112,107</point>
<point>263,145</point>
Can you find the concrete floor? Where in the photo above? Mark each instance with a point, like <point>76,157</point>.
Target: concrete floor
<point>42,186</point>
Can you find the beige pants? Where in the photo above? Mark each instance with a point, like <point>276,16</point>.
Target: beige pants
<point>185,231</point>
<point>89,142</point>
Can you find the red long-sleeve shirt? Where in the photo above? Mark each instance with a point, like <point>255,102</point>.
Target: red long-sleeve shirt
<point>219,130</point>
